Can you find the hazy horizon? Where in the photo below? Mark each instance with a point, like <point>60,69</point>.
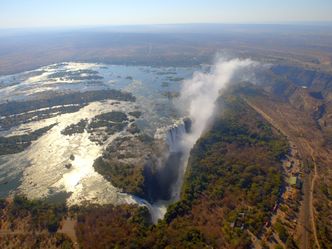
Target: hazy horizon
<point>56,14</point>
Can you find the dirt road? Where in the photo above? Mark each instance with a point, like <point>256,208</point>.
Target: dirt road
<point>311,191</point>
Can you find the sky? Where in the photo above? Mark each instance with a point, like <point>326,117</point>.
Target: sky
<point>71,13</point>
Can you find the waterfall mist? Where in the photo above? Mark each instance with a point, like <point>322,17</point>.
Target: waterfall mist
<point>197,101</point>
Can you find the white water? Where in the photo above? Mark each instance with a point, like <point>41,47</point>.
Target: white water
<point>43,163</point>
<point>157,210</point>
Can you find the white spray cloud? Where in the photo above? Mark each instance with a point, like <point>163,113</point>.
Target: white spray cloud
<point>198,97</point>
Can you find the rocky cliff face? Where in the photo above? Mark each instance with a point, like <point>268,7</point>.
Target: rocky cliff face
<point>307,90</point>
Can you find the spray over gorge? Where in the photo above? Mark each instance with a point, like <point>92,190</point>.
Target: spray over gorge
<point>197,101</point>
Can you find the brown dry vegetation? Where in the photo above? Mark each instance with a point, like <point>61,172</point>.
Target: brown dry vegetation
<point>31,225</point>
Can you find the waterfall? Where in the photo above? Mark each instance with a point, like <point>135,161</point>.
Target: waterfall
<point>175,135</point>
